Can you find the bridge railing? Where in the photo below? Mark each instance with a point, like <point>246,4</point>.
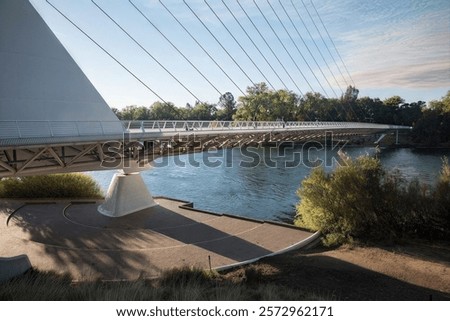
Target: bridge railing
<point>54,129</point>
<point>192,125</point>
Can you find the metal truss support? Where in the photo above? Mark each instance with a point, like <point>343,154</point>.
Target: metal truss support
<point>136,150</point>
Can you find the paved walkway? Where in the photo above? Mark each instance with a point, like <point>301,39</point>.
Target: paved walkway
<point>74,238</point>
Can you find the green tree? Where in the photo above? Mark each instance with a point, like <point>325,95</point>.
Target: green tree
<point>117,112</point>
<point>443,105</point>
<point>361,201</point>
<point>256,104</point>
<point>349,105</point>
<point>313,106</point>
<point>394,101</point>
<point>433,127</point>
<point>141,113</point>
<point>343,204</point>
<point>336,111</point>
<point>370,109</point>
<point>351,94</point>
<point>442,196</point>
<point>164,111</point>
<point>203,111</point>
<point>285,105</point>
<point>263,104</point>
<point>409,114</point>
<point>134,113</point>
<point>227,106</point>
<point>390,109</point>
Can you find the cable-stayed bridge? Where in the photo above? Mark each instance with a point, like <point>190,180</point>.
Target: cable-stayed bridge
<point>53,120</point>
<point>42,147</point>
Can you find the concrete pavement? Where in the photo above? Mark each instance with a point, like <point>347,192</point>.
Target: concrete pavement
<point>72,237</point>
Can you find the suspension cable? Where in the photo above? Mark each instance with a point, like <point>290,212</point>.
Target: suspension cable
<point>175,47</point>
<point>335,48</point>
<point>254,44</point>
<point>198,43</point>
<point>323,41</point>
<point>105,51</point>
<point>145,50</point>
<point>270,48</point>
<point>298,49</point>
<point>239,44</point>
<point>282,44</point>
<point>217,40</point>
<point>307,47</point>
<point>315,44</point>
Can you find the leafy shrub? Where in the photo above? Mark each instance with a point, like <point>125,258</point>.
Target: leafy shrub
<point>442,197</point>
<point>74,185</point>
<point>361,201</point>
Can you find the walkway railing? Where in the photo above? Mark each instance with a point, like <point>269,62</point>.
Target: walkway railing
<point>148,126</point>
<point>151,126</point>
<point>55,129</point>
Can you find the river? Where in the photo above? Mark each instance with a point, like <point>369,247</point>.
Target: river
<point>262,182</point>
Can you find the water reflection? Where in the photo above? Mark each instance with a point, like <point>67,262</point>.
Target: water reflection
<point>423,164</point>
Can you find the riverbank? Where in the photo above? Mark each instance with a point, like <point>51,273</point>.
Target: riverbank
<point>411,271</point>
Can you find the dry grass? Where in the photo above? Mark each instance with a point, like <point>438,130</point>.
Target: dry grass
<point>183,284</point>
<point>416,270</point>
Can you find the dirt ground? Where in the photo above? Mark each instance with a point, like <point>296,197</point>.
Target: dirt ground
<point>412,271</point>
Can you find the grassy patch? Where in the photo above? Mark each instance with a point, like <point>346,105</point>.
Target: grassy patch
<point>183,284</point>
<point>74,185</point>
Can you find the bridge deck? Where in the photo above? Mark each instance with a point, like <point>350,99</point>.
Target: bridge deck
<point>29,133</point>
<point>79,241</point>
<point>45,147</point>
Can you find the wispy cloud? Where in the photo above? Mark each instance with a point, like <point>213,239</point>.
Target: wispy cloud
<point>402,44</point>
<point>396,44</point>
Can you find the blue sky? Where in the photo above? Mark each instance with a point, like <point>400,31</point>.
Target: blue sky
<point>389,47</point>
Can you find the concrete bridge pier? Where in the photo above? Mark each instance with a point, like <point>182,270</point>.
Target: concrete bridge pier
<point>127,193</point>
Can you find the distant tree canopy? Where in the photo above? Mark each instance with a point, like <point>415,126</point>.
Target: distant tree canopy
<point>260,103</point>
<point>227,107</point>
<point>264,104</point>
<point>168,111</point>
<point>433,127</point>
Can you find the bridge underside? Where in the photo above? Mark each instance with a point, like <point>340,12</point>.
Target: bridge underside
<point>135,153</point>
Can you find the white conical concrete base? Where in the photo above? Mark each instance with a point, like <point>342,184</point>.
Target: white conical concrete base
<point>126,194</point>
